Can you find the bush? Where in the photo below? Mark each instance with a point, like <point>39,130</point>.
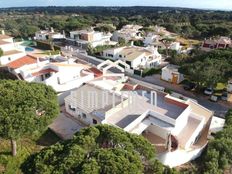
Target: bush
<point>150,71</point>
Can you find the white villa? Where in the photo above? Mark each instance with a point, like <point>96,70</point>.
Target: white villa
<point>128,32</point>
<point>136,57</point>
<point>11,50</point>
<point>171,74</point>
<point>151,39</point>
<point>83,38</point>
<point>62,76</point>
<point>178,129</point>
<point>48,34</point>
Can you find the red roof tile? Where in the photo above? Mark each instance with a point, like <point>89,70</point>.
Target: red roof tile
<point>26,60</point>
<point>44,71</point>
<point>97,72</point>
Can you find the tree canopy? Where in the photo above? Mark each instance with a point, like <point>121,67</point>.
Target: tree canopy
<point>25,108</point>
<point>1,52</point>
<point>100,149</point>
<point>218,155</point>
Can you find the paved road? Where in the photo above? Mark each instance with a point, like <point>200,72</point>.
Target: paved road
<point>219,108</point>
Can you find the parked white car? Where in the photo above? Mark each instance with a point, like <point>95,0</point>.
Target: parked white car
<point>208,91</point>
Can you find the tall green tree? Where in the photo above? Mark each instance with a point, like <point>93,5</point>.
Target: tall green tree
<point>102,149</point>
<point>1,52</point>
<point>24,109</point>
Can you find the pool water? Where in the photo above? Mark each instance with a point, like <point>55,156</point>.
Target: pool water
<point>29,49</point>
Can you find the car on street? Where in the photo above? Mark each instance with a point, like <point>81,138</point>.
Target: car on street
<point>189,86</point>
<point>208,91</point>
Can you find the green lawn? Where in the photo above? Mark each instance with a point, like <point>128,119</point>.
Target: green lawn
<point>25,147</point>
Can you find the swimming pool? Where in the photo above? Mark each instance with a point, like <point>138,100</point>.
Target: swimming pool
<point>29,49</point>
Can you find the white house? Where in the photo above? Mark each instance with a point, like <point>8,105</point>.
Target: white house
<point>136,57</point>
<point>49,34</point>
<point>11,50</point>
<point>62,76</point>
<point>83,38</point>
<point>171,74</point>
<point>175,127</point>
<point>229,86</point>
<point>128,32</point>
<point>175,46</point>
<point>151,39</point>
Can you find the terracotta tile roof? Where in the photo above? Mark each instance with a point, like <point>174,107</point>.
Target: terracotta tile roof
<point>26,60</point>
<point>128,87</point>
<point>44,71</point>
<point>97,72</point>
<point>4,36</point>
<point>2,42</point>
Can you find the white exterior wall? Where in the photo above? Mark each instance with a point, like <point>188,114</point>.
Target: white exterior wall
<point>179,157</point>
<point>7,59</point>
<point>229,87</point>
<point>195,134</point>
<point>166,75</point>
<point>137,61</point>
<point>41,36</point>
<point>181,121</point>
<point>78,113</point>
<point>8,47</point>
<point>163,133</point>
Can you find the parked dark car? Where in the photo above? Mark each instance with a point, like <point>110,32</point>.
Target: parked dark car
<point>189,86</point>
<point>224,96</point>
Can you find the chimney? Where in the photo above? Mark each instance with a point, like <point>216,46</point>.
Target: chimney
<point>38,62</point>
<point>154,98</point>
<point>132,43</point>
<point>3,32</point>
<point>52,30</point>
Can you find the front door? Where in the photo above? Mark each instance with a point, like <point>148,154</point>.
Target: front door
<point>174,78</point>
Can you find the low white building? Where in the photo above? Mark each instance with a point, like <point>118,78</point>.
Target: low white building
<point>136,57</point>
<point>83,38</point>
<point>128,32</point>
<point>49,34</point>
<point>175,46</point>
<point>151,39</point>
<point>11,50</point>
<point>171,74</point>
<point>175,127</point>
<point>229,86</point>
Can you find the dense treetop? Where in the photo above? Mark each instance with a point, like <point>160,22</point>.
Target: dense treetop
<point>101,149</point>
<point>25,107</point>
<point>23,22</point>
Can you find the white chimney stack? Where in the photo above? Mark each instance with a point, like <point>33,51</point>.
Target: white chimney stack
<point>3,32</point>
<point>132,43</point>
<point>52,30</point>
<point>38,62</point>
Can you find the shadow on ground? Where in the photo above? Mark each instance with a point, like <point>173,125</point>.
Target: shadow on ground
<point>48,138</point>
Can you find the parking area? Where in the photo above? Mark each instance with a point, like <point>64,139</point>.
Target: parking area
<point>65,127</point>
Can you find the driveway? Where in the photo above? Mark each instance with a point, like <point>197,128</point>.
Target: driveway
<point>65,127</point>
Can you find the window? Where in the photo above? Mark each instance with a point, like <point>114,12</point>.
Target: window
<point>83,115</point>
<point>9,59</point>
<point>72,108</point>
<point>110,55</point>
<point>94,121</point>
<point>120,56</point>
<point>47,75</point>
